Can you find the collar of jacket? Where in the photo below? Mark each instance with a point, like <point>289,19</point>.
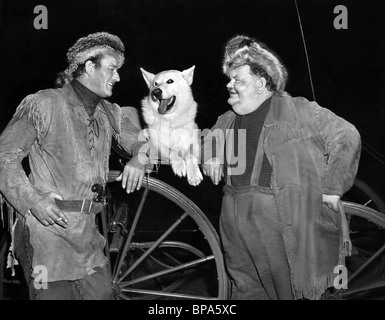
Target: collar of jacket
<point>279,108</point>
<point>73,101</point>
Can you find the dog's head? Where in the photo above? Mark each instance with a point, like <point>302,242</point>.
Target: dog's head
<point>169,89</point>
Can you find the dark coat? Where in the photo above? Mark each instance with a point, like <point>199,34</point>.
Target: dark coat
<point>312,152</point>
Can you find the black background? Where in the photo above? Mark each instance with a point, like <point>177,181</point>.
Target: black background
<point>347,66</point>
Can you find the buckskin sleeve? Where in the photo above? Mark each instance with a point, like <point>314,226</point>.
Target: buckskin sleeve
<point>131,138</point>
<point>15,144</point>
<point>342,150</point>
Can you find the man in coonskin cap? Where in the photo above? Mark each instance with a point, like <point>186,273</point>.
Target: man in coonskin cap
<point>66,133</point>
<point>285,162</point>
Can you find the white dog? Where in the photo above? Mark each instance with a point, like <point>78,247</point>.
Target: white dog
<point>169,111</point>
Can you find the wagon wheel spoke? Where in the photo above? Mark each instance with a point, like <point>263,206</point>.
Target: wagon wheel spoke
<point>168,271</point>
<point>152,248</point>
<point>168,294</point>
<point>168,254</point>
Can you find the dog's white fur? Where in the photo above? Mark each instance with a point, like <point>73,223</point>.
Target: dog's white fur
<point>173,132</point>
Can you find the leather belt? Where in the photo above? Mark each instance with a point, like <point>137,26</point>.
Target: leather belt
<point>84,206</point>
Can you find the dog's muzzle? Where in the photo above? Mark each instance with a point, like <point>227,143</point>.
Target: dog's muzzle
<point>164,104</point>
<point>156,94</point>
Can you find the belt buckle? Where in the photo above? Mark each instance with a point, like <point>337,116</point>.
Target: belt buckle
<point>84,205</point>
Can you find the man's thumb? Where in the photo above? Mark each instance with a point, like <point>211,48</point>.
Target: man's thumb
<point>56,196</point>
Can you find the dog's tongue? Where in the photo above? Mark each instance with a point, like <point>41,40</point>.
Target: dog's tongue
<point>163,104</point>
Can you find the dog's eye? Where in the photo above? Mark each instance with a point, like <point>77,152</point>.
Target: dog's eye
<point>170,81</point>
<point>156,84</point>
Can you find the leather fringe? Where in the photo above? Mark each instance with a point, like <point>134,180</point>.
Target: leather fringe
<point>8,216</point>
<point>313,291</point>
<point>7,213</point>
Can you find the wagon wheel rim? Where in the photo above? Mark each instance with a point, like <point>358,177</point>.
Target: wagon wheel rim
<point>125,287</point>
<point>365,267</point>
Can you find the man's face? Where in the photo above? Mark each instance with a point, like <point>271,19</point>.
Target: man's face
<point>243,88</point>
<point>103,79</point>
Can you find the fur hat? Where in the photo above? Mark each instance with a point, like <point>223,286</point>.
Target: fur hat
<point>242,50</point>
<point>92,45</point>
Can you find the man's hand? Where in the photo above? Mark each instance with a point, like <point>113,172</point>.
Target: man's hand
<point>47,213</point>
<point>214,169</point>
<point>332,201</point>
<point>132,175</point>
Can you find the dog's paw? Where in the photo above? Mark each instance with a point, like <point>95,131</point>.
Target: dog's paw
<point>179,168</point>
<point>194,176</point>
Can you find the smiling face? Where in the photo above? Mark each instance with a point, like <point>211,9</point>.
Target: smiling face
<point>244,89</point>
<point>102,80</point>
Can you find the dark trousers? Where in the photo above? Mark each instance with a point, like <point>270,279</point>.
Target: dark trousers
<point>254,249</point>
<point>96,286</point>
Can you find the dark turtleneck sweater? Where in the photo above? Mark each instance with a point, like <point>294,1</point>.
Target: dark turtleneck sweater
<point>253,123</point>
<point>87,97</point>
<point>90,100</point>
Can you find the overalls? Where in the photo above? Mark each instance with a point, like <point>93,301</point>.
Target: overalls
<point>254,249</point>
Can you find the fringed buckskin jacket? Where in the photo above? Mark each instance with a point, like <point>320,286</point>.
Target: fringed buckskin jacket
<point>312,152</point>
<point>67,155</point>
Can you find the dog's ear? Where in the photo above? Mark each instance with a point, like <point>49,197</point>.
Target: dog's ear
<point>148,77</point>
<point>188,74</point>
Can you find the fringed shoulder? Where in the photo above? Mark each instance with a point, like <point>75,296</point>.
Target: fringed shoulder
<point>37,108</point>
<point>28,108</point>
